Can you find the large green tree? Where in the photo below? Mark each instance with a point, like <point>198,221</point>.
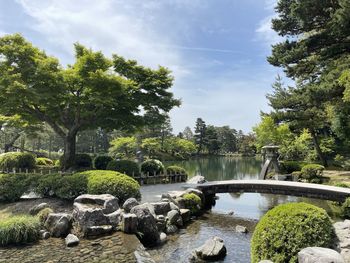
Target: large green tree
<point>93,92</point>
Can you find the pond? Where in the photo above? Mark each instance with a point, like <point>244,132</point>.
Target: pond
<point>247,209</point>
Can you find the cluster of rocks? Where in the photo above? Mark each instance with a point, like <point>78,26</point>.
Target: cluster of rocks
<point>342,231</point>
<point>95,215</point>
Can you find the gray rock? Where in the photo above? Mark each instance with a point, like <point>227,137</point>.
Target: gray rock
<point>37,208</point>
<point>161,208</point>
<point>129,223</point>
<point>92,231</point>
<point>185,215</point>
<point>230,213</point>
<point>173,217</point>
<point>147,225</point>
<point>161,223</point>
<point>181,203</point>
<point>171,229</point>
<point>96,210</point>
<point>198,179</point>
<point>44,234</point>
<point>71,240</point>
<point>130,203</point>
<point>342,231</point>
<point>59,224</point>
<point>319,255</point>
<point>213,249</point>
<point>174,206</point>
<point>241,229</point>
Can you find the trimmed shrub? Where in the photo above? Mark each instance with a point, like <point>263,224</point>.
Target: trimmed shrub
<point>173,169</point>
<point>19,230</point>
<point>42,161</point>
<point>101,162</point>
<point>312,172</point>
<point>83,160</point>
<point>65,187</point>
<point>152,167</point>
<point>124,166</point>
<point>291,166</point>
<point>17,160</point>
<point>342,184</point>
<point>71,186</point>
<point>114,183</point>
<point>13,186</point>
<point>43,214</point>
<point>192,202</point>
<point>286,229</point>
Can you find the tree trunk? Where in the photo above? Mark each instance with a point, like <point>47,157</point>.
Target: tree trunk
<point>9,145</point>
<point>69,151</point>
<point>318,149</point>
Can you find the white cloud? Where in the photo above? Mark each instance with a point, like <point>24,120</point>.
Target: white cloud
<point>111,26</point>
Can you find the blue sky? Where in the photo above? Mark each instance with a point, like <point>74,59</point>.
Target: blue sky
<point>216,49</point>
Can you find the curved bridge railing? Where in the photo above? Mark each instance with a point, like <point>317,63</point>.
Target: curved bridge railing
<point>325,192</point>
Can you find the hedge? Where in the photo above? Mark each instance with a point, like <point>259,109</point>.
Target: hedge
<point>17,160</point>
<point>152,167</point>
<point>173,169</point>
<point>114,183</point>
<point>291,166</point>
<point>101,162</point>
<point>83,160</point>
<point>13,186</point>
<point>288,228</point>
<point>19,230</point>
<point>124,166</point>
<point>312,172</point>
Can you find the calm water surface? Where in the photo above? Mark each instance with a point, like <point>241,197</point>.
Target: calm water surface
<point>247,208</point>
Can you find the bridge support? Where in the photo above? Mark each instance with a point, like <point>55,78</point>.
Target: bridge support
<point>270,160</point>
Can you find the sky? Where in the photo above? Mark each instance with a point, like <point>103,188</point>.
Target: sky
<point>216,49</point>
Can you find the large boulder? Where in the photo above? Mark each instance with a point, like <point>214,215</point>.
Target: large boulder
<point>71,240</point>
<point>319,255</point>
<point>96,210</point>
<point>59,224</point>
<point>198,179</point>
<point>174,218</point>
<point>147,225</point>
<point>213,249</point>
<point>342,231</point>
<point>130,203</point>
<point>129,223</point>
<point>161,208</point>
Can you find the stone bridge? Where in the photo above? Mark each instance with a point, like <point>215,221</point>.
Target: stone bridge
<point>319,191</point>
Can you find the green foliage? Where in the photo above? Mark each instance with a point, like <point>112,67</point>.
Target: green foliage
<point>12,186</point>
<point>43,214</point>
<point>93,89</point>
<point>127,167</point>
<point>47,185</point>
<point>342,184</point>
<point>152,146</point>
<point>152,167</point>
<point>101,162</point>
<point>71,186</point>
<point>114,183</point>
<point>193,203</point>
<point>312,172</point>
<point>173,169</point>
<point>180,148</point>
<point>286,229</point>
<point>345,208</point>
<point>19,230</point>
<point>42,161</point>
<point>291,166</point>
<point>82,160</point>
<point>123,147</point>
<point>17,160</point>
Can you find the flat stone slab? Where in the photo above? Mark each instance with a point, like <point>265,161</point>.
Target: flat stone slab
<point>319,255</point>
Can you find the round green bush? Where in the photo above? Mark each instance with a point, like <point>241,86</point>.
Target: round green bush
<point>312,172</point>
<point>42,161</point>
<point>288,228</point>
<point>83,160</point>
<point>114,183</point>
<point>124,166</point>
<point>291,166</point>
<point>173,169</point>
<point>192,202</point>
<point>13,186</point>
<point>152,167</point>
<point>19,230</point>
<point>101,162</point>
<point>17,160</point>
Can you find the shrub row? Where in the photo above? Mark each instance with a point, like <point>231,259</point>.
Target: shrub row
<point>13,186</point>
<point>18,160</point>
<point>286,229</point>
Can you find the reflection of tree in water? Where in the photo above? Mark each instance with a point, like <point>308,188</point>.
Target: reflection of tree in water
<point>236,195</point>
<point>270,201</point>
